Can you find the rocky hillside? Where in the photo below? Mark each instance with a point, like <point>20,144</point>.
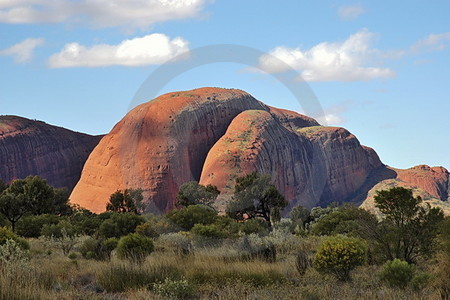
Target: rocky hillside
<point>214,135</point>
<point>35,148</point>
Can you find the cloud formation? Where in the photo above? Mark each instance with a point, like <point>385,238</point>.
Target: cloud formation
<point>23,51</point>
<point>151,49</point>
<point>433,42</point>
<point>350,12</point>
<point>341,61</point>
<point>99,13</point>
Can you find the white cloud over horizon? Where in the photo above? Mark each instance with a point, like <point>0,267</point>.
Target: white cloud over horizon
<point>151,49</point>
<point>99,13</point>
<point>22,52</point>
<point>350,12</point>
<point>339,61</point>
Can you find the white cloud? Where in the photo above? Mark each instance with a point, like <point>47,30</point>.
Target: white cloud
<point>350,12</point>
<point>23,51</point>
<point>342,61</point>
<point>151,49</point>
<point>100,13</point>
<point>433,42</point>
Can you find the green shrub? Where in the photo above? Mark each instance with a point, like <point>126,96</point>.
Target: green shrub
<point>63,235</point>
<point>420,281</point>
<point>120,224</point>
<point>339,255</point>
<point>98,249</point>
<point>11,252</point>
<point>134,247</point>
<point>397,273</point>
<point>177,289</point>
<point>30,226</point>
<point>147,229</point>
<point>6,234</point>
<point>303,261</point>
<point>187,217</point>
<point>207,235</point>
<point>177,242</point>
<point>254,226</point>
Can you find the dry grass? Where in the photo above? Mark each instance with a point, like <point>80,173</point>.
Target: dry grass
<point>211,271</point>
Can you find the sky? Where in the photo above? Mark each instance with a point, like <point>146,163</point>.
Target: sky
<point>381,69</point>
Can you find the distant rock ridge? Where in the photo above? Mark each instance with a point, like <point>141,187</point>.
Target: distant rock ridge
<point>30,147</point>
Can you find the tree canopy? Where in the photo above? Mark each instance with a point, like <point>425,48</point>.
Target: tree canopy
<point>255,196</point>
<point>128,200</point>
<point>409,227</point>
<point>192,193</point>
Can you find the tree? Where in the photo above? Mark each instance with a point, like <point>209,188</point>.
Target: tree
<point>119,224</point>
<point>255,196</point>
<point>31,195</point>
<point>187,217</point>
<point>129,200</point>
<point>409,228</point>
<point>13,208</point>
<point>348,219</point>
<point>339,255</point>
<point>192,193</point>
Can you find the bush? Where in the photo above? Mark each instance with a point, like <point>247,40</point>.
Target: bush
<point>119,224</point>
<point>63,235</point>
<point>207,235</point>
<point>12,252</point>
<point>187,217</point>
<point>147,229</point>
<point>254,226</point>
<point>339,255</point>
<point>134,247</point>
<point>177,242</point>
<point>397,273</point>
<point>178,289</point>
<point>98,249</point>
<point>30,226</point>
<point>6,234</point>
<point>303,261</point>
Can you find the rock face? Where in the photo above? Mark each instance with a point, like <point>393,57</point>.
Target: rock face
<point>430,183</point>
<point>35,148</point>
<point>214,135</point>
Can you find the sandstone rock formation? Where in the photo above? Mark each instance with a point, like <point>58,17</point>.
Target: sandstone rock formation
<point>35,148</point>
<point>214,135</point>
<point>430,183</point>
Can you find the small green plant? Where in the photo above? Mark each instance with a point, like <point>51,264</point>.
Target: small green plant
<point>303,262</point>
<point>98,249</point>
<point>397,273</point>
<point>6,234</point>
<point>178,289</point>
<point>11,252</point>
<point>134,247</point>
<point>339,255</point>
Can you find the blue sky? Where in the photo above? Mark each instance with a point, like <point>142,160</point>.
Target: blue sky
<point>379,68</point>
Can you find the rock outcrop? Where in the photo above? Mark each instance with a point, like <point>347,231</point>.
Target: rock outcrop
<point>213,135</point>
<point>35,148</point>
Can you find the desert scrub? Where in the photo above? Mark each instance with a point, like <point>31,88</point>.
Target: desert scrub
<point>397,273</point>
<point>120,277</point>
<point>134,247</point>
<point>339,255</point>
<point>177,289</point>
